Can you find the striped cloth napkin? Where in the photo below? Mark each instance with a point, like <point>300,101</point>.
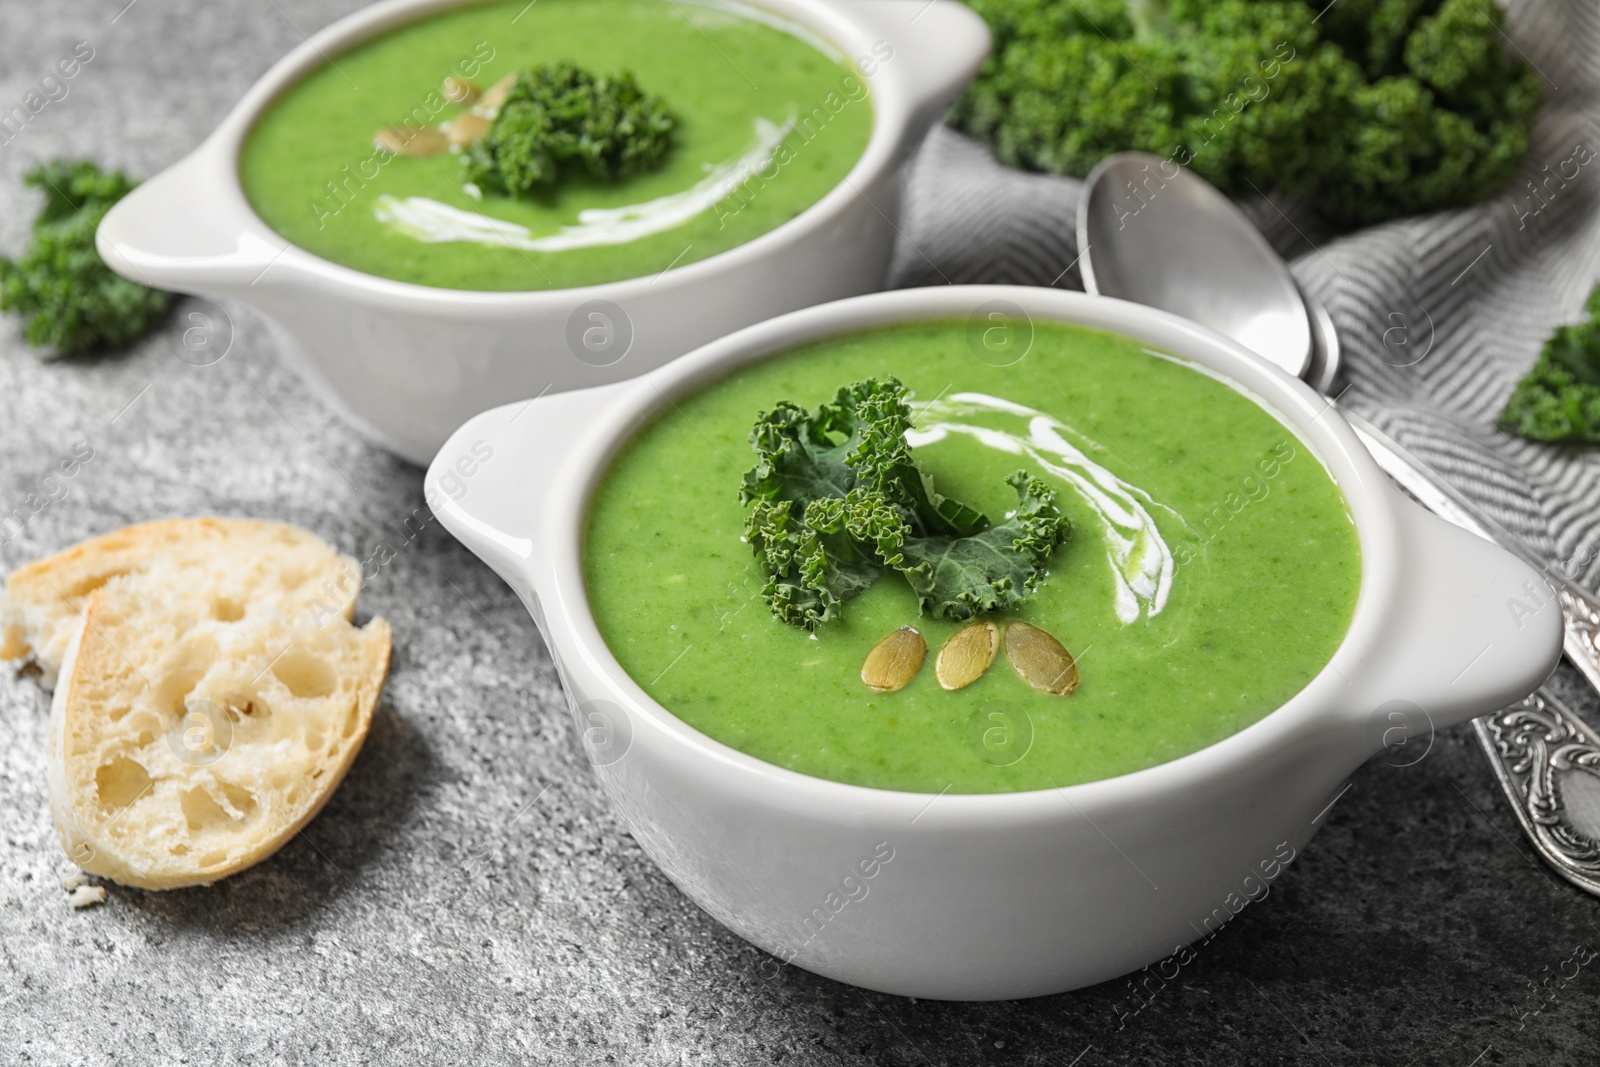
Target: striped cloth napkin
<point>1439,315</point>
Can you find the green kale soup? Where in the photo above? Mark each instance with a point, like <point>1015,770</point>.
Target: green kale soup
<point>1210,571</point>
<point>766,120</point>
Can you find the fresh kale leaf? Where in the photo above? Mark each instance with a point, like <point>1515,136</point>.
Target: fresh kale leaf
<point>72,185</point>
<point>69,299</point>
<point>859,438</point>
<point>798,455</point>
<point>558,118</point>
<point>993,569</point>
<point>1371,109</point>
<point>815,531</point>
<point>823,559</point>
<point>839,499</point>
<point>1559,399</point>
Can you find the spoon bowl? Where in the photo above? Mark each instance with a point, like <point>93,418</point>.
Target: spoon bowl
<point>1153,233</point>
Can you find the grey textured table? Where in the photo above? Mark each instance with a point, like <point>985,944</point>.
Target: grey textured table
<point>467,897</point>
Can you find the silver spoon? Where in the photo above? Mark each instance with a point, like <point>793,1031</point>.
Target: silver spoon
<point>1173,241</point>
<point>1165,242</point>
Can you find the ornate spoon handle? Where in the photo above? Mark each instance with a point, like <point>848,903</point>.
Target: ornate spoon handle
<point>1528,743</point>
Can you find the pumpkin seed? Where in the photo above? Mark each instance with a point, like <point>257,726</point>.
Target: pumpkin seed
<point>467,128</point>
<point>417,143</point>
<point>1041,660</point>
<point>495,95</point>
<point>967,654</point>
<point>459,90</point>
<point>895,660</point>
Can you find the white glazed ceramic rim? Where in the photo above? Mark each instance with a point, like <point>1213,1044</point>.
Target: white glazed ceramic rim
<point>892,100</point>
<point>1310,417</point>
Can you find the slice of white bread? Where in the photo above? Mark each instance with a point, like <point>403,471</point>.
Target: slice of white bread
<point>44,601</point>
<point>188,744</point>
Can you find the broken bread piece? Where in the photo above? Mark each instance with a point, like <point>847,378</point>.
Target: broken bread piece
<point>185,745</point>
<point>44,601</point>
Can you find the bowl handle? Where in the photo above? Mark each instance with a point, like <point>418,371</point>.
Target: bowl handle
<point>176,231</point>
<point>1477,630</point>
<point>933,48</point>
<point>491,498</point>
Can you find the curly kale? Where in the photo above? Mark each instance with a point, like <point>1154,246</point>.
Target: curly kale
<point>816,562</point>
<point>1373,109</point>
<point>557,119</point>
<point>1437,116</point>
<point>993,569</point>
<point>839,500</point>
<point>1559,400</point>
<point>70,300</point>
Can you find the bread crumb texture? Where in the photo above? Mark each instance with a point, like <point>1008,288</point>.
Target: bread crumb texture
<point>45,600</point>
<point>86,896</point>
<point>211,700</point>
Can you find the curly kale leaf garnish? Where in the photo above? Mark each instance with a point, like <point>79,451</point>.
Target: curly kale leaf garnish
<point>859,438</point>
<point>69,299</point>
<point>559,118</point>
<point>839,499</point>
<point>1559,400</point>
<point>994,569</point>
<point>823,558</point>
<point>797,457</point>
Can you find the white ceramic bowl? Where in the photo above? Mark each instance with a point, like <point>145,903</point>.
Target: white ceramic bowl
<point>1008,895</point>
<point>408,363</point>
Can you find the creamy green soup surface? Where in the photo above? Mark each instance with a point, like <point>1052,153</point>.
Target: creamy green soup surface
<point>1211,572</point>
<point>769,120</point>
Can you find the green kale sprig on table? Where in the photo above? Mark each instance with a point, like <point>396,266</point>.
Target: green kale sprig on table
<point>1559,400</point>
<point>559,118</point>
<point>1372,109</point>
<point>839,500</point>
<point>69,299</point>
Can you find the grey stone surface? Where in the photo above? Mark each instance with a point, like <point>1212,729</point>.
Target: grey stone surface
<point>467,897</point>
